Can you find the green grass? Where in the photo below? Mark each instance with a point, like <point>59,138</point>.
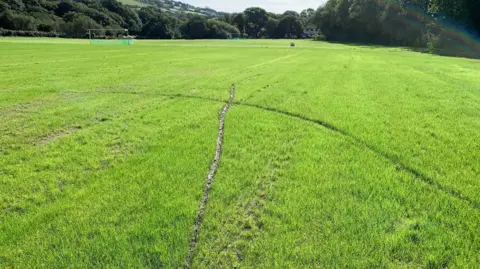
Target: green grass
<point>334,155</point>
<point>134,3</point>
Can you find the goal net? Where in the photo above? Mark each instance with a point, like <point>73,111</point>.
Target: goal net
<point>109,37</point>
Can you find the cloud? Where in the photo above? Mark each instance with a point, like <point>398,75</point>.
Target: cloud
<point>276,6</point>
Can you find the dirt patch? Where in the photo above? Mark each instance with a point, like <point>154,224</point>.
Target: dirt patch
<point>57,135</point>
<point>210,178</point>
<point>21,108</point>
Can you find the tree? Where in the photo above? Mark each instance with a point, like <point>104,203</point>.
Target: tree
<point>307,16</point>
<point>220,29</point>
<point>325,19</point>
<point>64,7</point>
<point>256,19</point>
<point>147,13</point>
<point>271,27</point>
<point>364,16</point>
<point>239,21</point>
<point>289,26</point>
<point>366,21</point>
<point>77,28</point>
<point>15,21</point>
<point>196,28</point>
<point>162,27</point>
<point>291,13</point>
<point>225,18</point>
<point>15,5</point>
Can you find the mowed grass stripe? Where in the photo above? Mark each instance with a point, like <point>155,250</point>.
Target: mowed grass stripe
<point>51,196</point>
<point>163,69</point>
<point>123,190</point>
<point>416,173</point>
<point>135,209</point>
<point>30,145</point>
<point>268,209</point>
<point>412,118</point>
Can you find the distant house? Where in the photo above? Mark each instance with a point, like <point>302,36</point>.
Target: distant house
<point>310,30</point>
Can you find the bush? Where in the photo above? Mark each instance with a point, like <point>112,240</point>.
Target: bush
<point>77,28</point>
<point>45,28</point>
<point>16,21</point>
<point>443,44</point>
<point>433,42</point>
<point>220,29</point>
<point>13,33</point>
<point>319,37</point>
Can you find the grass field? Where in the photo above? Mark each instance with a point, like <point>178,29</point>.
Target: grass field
<point>133,3</point>
<point>334,156</point>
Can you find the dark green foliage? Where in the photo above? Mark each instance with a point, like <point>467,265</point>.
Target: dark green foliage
<point>239,21</point>
<point>67,16</point>
<point>255,19</point>
<point>64,7</point>
<point>15,5</point>
<point>195,28</point>
<point>291,13</point>
<point>17,21</point>
<point>158,24</point>
<point>12,33</point>
<point>77,27</point>
<point>388,22</point>
<point>271,27</point>
<point>289,26</point>
<point>319,37</point>
<point>381,22</point>
<point>220,29</point>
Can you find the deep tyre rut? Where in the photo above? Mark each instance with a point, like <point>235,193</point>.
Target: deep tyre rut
<point>210,178</point>
<point>400,165</point>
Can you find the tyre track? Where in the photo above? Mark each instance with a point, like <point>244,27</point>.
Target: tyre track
<point>399,165</point>
<point>209,182</point>
<point>175,95</point>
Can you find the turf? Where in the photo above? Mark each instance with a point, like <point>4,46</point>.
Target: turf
<point>333,155</point>
<point>134,3</point>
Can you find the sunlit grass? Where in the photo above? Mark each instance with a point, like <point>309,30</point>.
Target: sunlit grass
<point>104,152</point>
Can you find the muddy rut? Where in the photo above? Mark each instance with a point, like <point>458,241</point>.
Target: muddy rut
<point>209,182</point>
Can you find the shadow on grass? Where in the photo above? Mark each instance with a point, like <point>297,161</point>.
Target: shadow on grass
<point>456,51</point>
<point>470,54</point>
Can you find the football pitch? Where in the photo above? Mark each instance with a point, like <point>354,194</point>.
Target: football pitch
<point>332,156</point>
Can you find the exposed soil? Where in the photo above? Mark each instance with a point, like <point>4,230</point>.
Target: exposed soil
<point>54,136</point>
<point>210,178</point>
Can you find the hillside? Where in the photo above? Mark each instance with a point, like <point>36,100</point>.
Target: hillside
<point>174,7</point>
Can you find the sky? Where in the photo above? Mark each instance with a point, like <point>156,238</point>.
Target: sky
<point>275,6</point>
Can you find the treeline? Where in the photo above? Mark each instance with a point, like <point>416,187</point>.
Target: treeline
<point>71,19</point>
<point>67,18</point>
<point>450,26</point>
<point>436,25</point>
